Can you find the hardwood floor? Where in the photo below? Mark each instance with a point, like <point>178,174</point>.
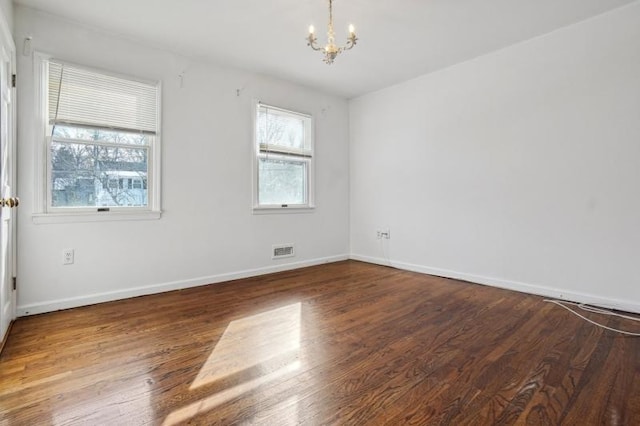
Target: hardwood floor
<point>343,343</point>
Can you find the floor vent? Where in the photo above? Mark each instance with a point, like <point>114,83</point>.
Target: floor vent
<point>285,250</point>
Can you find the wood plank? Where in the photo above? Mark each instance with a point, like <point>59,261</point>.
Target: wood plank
<point>342,343</point>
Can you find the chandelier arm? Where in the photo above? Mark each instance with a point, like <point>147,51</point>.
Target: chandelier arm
<point>350,42</point>
<point>311,42</point>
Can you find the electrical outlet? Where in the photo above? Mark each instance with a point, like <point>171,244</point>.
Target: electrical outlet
<point>383,234</point>
<point>67,256</point>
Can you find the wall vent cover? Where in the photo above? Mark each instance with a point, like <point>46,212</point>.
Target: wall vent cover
<point>283,250</point>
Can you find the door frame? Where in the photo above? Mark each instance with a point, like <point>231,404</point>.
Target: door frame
<point>7,43</point>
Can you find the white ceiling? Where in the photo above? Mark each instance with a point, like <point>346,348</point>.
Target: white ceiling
<point>399,39</point>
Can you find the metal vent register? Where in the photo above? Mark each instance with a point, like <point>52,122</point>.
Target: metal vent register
<point>285,250</point>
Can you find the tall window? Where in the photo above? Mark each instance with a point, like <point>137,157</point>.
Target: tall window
<point>102,136</point>
<point>284,158</point>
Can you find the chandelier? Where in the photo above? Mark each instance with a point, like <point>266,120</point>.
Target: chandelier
<point>330,50</point>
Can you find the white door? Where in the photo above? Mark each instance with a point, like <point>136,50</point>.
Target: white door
<point>8,200</point>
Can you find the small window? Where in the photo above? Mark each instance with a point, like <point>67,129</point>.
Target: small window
<point>284,159</point>
<point>102,135</point>
<point>113,184</point>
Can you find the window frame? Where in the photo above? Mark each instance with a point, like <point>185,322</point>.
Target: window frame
<point>44,211</point>
<point>257,153</point>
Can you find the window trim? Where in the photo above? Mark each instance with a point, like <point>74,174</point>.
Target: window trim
<point>44,212</point>
<point>256,153</point>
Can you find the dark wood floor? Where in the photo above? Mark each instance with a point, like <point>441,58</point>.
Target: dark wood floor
<point>344,343</point>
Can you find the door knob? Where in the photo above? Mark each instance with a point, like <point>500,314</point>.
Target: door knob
<point>10,202</point>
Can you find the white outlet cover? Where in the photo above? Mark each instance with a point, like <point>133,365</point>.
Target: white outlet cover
<point>67,256</point>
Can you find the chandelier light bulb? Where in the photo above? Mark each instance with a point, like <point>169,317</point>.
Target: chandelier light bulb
<point>311,29</point>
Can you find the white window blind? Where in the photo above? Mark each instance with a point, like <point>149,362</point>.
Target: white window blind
<point>81,97</point>
<point>283,132</point>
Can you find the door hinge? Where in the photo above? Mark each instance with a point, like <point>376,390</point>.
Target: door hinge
<point>14,282</point>
<point>13,80</point>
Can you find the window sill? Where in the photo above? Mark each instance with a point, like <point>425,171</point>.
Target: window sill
<point>283,210</point>
<point>46,218</point>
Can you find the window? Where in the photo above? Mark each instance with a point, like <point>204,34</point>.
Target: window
<point>283,159</point>
<point>102,142</point>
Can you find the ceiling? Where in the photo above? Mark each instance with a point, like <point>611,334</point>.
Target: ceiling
<point>398,39</point>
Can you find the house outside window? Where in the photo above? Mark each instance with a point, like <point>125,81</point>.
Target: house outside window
<point>102,141</point>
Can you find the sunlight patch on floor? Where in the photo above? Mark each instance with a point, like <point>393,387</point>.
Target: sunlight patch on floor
<point>211,402</point>
<point>250,342</point>
<point>246,347</point>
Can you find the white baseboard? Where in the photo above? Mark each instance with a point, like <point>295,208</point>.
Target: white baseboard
<point>555,293</point>
<point>74,302</point>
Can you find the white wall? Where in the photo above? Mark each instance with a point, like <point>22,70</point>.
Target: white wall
<point>6,7</point>
<point>518,169</point>
<point>207,232</point>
